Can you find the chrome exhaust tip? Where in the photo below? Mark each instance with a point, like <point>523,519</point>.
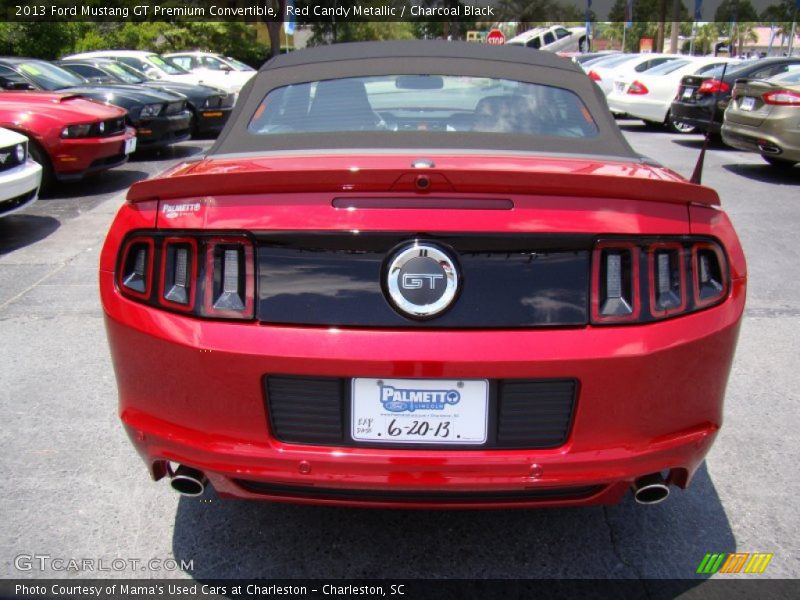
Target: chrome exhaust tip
<point>650,489</point>
<point>188,481</point>
<point>770,149</point>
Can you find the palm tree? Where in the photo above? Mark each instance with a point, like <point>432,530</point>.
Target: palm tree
<point>743,31</point>
<point>706,39</point>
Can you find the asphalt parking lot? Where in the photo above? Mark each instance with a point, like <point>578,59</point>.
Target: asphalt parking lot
<point>73,487</point>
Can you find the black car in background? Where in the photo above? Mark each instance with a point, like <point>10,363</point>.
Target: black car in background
<point>159,116</point>
<point>695,101</point>
<point>210,106</point>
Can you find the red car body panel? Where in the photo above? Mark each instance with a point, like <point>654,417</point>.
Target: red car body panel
<point>43,115</point>
<point>651,395</point>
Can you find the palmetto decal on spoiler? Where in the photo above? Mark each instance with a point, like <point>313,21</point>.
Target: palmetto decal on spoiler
<point>408,399</point>
<point>175,210</point>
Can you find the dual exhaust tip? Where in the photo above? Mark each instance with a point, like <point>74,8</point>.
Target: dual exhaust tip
<point>650,489</point>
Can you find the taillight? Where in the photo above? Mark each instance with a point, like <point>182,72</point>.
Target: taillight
<point>667,278</point>
<point>782,98</point>
<point>203,275</point>
<point>643,280</point>
<point>178,274</point>
<point>709,274</point>
<point>638,88</point>
<point>615,282</point>
<point>135,273</point>
<point>594,76</point>
<point>229,281</point>
<point>712,86</point>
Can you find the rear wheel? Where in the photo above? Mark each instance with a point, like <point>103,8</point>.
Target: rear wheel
<point>780,163</point>
<point>679,126</point>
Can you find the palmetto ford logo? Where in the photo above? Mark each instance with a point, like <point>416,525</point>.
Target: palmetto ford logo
<point>397,399</point>
<point>175,210</point>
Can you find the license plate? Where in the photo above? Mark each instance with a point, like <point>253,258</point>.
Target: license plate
<point>420,411</point>
<point>748,103</point>
<point>130,145</point>
<point>620,86</point>
<point>688,92</point>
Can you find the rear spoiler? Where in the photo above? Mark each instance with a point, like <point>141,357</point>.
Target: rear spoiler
<point>183,184</point>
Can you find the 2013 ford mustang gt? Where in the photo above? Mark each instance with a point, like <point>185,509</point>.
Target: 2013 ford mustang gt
<point>422,274</point>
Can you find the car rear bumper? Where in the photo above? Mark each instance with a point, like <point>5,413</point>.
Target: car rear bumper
<point>650,401</point>
<point>638,107</point>
<point>19,187</point>
<point>785,145</point>
<point>697,115</point>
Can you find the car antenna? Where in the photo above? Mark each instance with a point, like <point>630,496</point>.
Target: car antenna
<point>697,174</point>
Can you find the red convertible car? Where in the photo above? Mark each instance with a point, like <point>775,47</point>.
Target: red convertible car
<point>422,274</point>
<point>70,136</point>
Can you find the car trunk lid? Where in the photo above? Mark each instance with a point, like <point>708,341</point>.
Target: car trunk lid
<point>748,106</point>
<point>687,91</point>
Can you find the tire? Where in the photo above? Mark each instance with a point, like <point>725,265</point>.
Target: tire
<point>678,127</point>
<point>40,156</point>
<point>779,163</point>
<point>194,124</point>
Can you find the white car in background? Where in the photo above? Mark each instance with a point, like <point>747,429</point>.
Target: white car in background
<point>20,176</point>
<point>556,38</point>
<point>204,62</point>
<point>648,95</point>
<point>155,67</point>
<point>606,71</point>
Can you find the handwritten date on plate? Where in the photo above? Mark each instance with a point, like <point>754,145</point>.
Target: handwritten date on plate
<point>440,429</point>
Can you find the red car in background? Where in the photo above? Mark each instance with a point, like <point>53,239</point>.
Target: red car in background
<point>422,274</point>
<point>70,136</point>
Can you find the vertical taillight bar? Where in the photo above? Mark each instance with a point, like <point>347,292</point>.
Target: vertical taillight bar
<point>615,282</point>
<point>709,274</point>
<point>178,276</point>
<point>135,274</point>
<point>666,278</point>
<point>229,278</point>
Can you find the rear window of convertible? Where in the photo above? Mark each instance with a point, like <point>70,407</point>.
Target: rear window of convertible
<point>423,103</point>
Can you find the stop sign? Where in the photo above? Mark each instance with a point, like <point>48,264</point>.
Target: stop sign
<point>495,37</point>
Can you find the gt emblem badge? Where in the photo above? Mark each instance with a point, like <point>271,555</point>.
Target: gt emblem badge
<point>422,280</point>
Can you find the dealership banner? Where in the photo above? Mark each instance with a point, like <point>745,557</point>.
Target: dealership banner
<point>398,589</point>
<point>307,11</point>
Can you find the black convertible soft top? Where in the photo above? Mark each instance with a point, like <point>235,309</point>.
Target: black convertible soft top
<point>365,59</point>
